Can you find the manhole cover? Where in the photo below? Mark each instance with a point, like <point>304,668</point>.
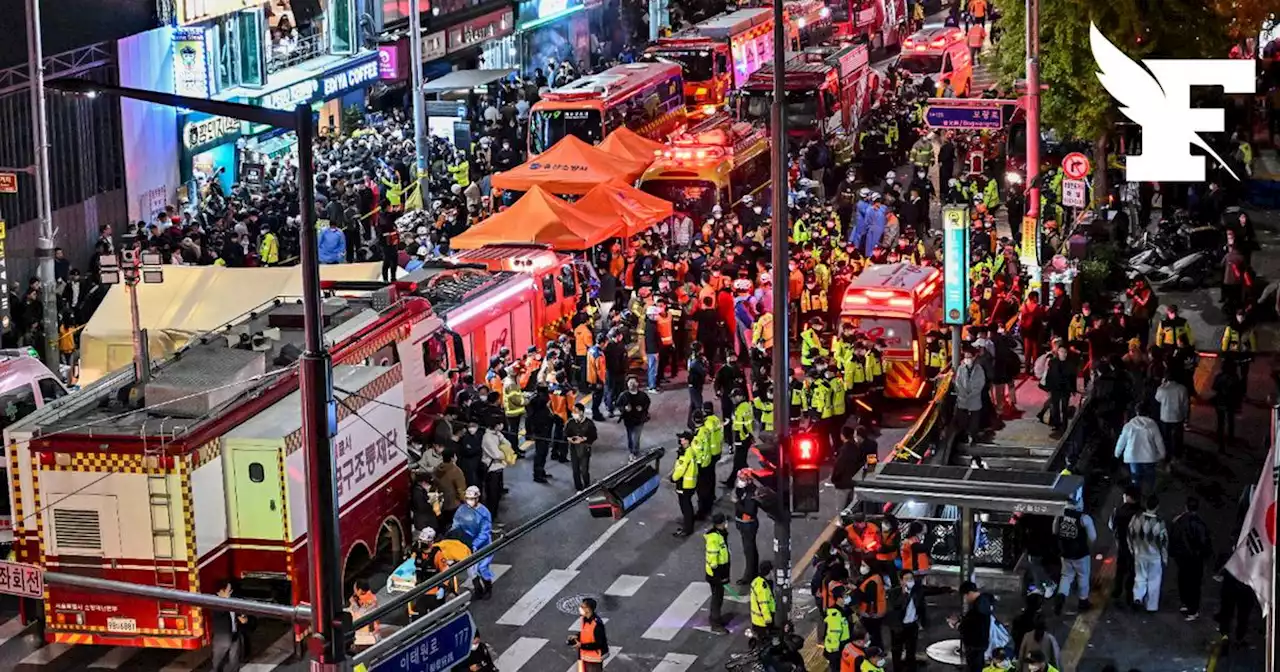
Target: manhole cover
<point>569,605</point>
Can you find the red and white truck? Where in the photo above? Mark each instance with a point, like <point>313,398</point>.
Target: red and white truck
<point>718,55</point>
<point>877,23</point>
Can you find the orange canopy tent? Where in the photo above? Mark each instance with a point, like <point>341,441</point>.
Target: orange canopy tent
<point>616,199</point>
<point>540,217</point>
<point>570,166</point>
<point>627,143</point>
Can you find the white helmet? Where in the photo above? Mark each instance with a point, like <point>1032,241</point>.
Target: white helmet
<point>890,176</point>
<point>952,182</point>
<point>876,196</point>
<point>864,193</point>
<point>716,209</point>
<point>742,285</point>
<point>472,493</point>
<point>427,535</point>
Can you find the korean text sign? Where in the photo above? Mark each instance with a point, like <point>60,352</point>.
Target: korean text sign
<point>955,253</point>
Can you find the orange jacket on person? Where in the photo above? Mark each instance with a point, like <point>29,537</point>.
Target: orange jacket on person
<point>562,402</point>
<point>595,368</point>
<point>978,8</point>
<point>872,602</point>
<point>582,339</point>
<point>915,557</point>
<point>664,329</point>
<point>867,541</point>
<point>977,34</point>
<point>795,283</point>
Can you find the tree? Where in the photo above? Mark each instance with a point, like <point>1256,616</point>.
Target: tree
<point>1075,105</point>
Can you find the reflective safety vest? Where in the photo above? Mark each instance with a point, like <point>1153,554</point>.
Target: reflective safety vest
<point>922,153</point>
<point>991,195</point>
<point>762,606</point>
<point>874,368</point>
<point>813,300</point>
<point>713,427</point>
<point>1076,328</point>
<point>915,557</point>
<point>852,658</point>
<point>838,392</point>
<point>701,450</point>
<point>766,413</point>
<point>935,356</point>
<point>512,399</point>
<point>685,472</point>
<point>822,398</point>
<point>810,347</point>
<point>837,631</point>
<point>799,231</point>
<point>873,598</point>
<point>762,332</point>
<point>717,551</point>
<point>743,421</point>
<point>1235,340</point>
<point>588,636</point>
<point>799,398</point>
<point>866,541</point>
<point>1170,330</point>
<point>269,250</point>
<point>890,543</point>
<point>855,373</point>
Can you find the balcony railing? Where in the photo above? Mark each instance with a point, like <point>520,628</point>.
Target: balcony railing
<point>290,52</point>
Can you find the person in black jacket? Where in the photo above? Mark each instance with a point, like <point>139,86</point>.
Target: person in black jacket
<point>1119,524</point>
<point>907,615</point>
<point>424,514</point>
<point>974,626</point>
<point>634,407</point>
<point>471,454</point>
<point>746,515</point>
<point>615,370</point>
<point>539,423</point>
<point>481,657</point>
<point>1191,547</point>
<point>697,379</point>
<point>580,433</point>
<point>728,379</point>
<point>231,632</point>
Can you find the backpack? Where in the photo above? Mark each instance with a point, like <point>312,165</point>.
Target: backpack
<point>509,456</point>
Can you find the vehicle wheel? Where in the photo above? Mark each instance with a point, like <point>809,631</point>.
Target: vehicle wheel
<point>390,544</point>
<point>357,562</point>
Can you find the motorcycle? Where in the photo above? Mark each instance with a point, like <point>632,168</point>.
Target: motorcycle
<point>1189,272</point>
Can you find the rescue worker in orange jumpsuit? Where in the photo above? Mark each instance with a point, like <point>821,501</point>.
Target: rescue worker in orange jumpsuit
<point>592,642</point>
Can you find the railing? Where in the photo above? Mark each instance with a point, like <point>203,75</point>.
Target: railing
<point>302,49</point>
<point>918,444</point>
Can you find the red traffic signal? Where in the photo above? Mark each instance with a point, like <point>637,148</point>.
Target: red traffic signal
<point>806,450</point>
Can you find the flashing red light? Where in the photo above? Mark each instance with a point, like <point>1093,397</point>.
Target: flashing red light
<point>806,449</point>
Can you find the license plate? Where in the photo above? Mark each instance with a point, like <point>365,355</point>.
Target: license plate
<point>128,625</point>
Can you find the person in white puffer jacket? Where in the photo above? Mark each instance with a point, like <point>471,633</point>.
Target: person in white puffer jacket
<point>1141,448</point>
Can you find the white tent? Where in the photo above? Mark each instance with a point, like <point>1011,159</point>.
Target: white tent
<point>192,300</point>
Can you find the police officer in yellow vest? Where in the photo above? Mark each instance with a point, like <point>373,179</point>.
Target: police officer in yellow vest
<point>810,345</point>
<point>762,333</point>
<point>836,628</point>
<point>762,604</point>
<point>936,357</point>
<point>839,399</point>
<point>685,475</point>
<point>709,441</point>
<point>799,394</point>
<point>269,249</point>
<point>813,299</point>
<point>799,231</point>
<point>1239,343</point>
<point>874,371</point>
<point>763,405</point>
<point>1172,328</point>
<point>742,424</point>
<point>512,406</point>
<point>717,566</point>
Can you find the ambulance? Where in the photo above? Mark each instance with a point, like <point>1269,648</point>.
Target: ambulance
<point>718,162</point>
<point>899,304</point>
<point>941,55</point>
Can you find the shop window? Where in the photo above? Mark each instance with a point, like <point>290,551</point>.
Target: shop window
<point>238,44</point>
<point>343,36</point>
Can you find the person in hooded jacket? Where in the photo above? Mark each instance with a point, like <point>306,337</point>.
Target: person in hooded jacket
<point>1141,448</point>
<point>974,625</point>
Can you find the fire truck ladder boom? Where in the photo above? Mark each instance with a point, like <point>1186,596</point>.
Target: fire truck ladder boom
<point>160,513</point>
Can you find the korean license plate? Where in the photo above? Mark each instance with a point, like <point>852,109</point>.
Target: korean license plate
<point>128,625</point>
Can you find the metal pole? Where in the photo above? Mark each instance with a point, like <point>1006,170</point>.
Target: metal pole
<point>966,544</point>
<point>1033,113</point>
<point>421,146</point>
<point>300,614</point>
<point>141,365</point>
<point>957,343</point>
<point>44,200</point>
<point>781,354</point>
<point>314,368</point>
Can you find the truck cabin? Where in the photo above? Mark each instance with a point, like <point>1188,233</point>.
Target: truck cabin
<point>808,115</point>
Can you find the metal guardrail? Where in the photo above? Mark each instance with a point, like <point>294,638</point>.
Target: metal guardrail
<point>915,444</point>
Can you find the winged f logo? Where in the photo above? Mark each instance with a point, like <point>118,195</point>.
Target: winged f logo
<point>1158,98</point>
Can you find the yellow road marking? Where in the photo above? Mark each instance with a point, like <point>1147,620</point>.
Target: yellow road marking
<point>1082,629</point>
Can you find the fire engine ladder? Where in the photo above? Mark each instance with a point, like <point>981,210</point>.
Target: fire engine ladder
<point>160,510</point>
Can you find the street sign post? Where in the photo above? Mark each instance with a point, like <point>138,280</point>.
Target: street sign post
<point>21,579</point>
<point>8,183</point>
<point>967,117</point>
<point>1075,166</point>
<point>435,651</point>
<point>1073,193</point>
<point>955,257</point>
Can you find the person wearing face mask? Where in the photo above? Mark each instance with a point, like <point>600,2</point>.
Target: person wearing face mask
<point>874,660</point>
<point>592,642</point>
<point>477,526</point>
<point>581,434</point>
<point>999,662</point>
<point>746,516</point>
<point>908,613</point>
<point>495,460</point>
<point>854,653</point>
<point>835,625</point>
<point>481,657</point>
<point>872,604</point>
<point>717,567</point>
<point>1036,662</point>
<point>969,383</point>
<point>685,475</point>
<point>1172,328</point>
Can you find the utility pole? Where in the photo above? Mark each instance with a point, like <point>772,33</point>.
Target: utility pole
<point>421,146</point>
<point>1033,115</point>
<point>44,199</point>
<point>315,383</point>
<point>781,318</point>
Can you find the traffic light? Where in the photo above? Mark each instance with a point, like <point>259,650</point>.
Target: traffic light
<point>806,455</point>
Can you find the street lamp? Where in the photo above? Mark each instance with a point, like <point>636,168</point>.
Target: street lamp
<point>314,366</point>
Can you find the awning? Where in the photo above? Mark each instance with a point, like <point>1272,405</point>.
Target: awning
<point>570,166</point>
<point>1011,491</point>
<point>637,210</point>
<point>627,143</point>
<point>460,80</point>
<point>540,217</point>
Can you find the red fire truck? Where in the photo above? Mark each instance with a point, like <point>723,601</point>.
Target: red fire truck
<point>841,77</point>
<point>876,23</point>
<point>718,55</point>
<point>899,304</point>
<point>197,478</point>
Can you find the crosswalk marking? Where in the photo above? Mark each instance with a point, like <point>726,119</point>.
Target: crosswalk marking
<point>675,662</point>
<point>499,570</point>
<point>46,654</point>
<point>10,628</point>
<point>537,597</point>
<point>679,612</point>
<point>613,653</point>
<point>272,656</point>
<point>116,657</point>
<point>519,653</point>
<point>577,624</point>
<point>586,554</point>
<point>626,585</point>
<point>188,661</point>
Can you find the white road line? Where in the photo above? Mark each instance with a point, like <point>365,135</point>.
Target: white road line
<point>519,653</point>
<point>188,661</point>
<point>537,597</point>
<point>626,585</point>
<point>116,657</point>
<point>679,612</point>
<point>499,570</point>
<point>675,662</point>
<point>577,624</point>
<point>595,546</point>
<point>46,654</point>
<point>272,656</point>
<point>11,628</point>
<point>613,653</point>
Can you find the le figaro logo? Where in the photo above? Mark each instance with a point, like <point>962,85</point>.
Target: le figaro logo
<point>1157,97</point>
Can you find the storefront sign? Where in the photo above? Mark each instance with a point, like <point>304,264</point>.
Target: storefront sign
<point>534,13</point>
<point>955,256</point>
<point>550,7</point>
<point>332,84</point>
<point>4,273</point>
<point>194,11</point>
<point>200,132</point>
<point>389,61</point>
<point>8,183</point>
<point>434,45</point>
<point>1030,243</point>
<point>190,63</point>
<point>487,27</point>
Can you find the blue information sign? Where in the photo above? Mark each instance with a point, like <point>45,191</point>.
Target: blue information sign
<point>955,259</point>
<point>964,116</point>
<point>436,651</point>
